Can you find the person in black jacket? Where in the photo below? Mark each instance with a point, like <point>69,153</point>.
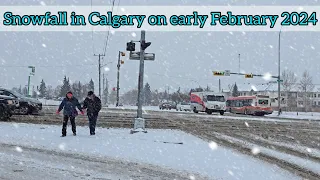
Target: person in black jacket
<point>93,105</point>
<point>69,104</point>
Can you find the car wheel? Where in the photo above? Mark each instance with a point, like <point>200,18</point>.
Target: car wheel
<point>195,110</point>
<point>25,110</point>
<point>221,113</point>
<point>4,115</point>
<point>208,111</point>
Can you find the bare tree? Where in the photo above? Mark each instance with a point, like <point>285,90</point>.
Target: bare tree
<point>306,86</point>
<point>289,80</point>
<point>289,83</point>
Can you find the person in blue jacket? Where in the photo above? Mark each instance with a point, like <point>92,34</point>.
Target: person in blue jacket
<point>69,104</point>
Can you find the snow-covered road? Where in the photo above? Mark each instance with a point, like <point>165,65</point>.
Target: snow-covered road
<point>157,147</point>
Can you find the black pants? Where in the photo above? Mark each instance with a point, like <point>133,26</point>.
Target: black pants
<point>92,122</point>
<point>65,123</point>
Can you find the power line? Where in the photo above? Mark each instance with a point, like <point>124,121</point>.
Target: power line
<point>93,47</point>
<point>108,35</point>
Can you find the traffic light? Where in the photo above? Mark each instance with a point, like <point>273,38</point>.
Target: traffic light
<point>145,45</point>
<point>218,73</point>
<point>131,46</point>
<point>123,54</point>
<point>248,76</point>
<point>122,62</point>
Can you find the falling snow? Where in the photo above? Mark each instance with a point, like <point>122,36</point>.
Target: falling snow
<point>246,124</point>
<point>213,145</point>
<point>62,146</point>
<point>42,3</point>
<point>19,149</point>
<point>255,150</point>
<point>44,45</point>
<point>192,177</point>
<point>133,34</point>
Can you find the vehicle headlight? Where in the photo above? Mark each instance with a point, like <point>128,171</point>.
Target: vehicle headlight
<point>10,101</point>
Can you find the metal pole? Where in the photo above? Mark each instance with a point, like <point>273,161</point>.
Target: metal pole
<point>29,86</point>
<point>279,76</point>
<point>99,76</point>
<point>141,73</point>
<point>118,78</point>
<point>239,63</point>
<point>103,80</point>
<point>219,86</point>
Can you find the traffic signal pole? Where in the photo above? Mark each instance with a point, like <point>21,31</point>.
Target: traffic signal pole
<point>279,76</point>
<point>99,66</point>
<point>141,73</point>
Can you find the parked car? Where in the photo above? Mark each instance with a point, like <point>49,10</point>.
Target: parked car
<point>166,106</point>
<point>26,105</point>
<point>183,106</point>
<point>7,106</point>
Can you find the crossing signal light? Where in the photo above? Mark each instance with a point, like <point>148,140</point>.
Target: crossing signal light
<point>145,45</point>
<point>122,61</point>
<point>131,46</point>
<point>248,76</point>
<point>123,54</point>
<point>218,73</point>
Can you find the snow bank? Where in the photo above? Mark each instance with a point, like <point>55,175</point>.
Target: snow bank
<point>158,147</point>
<point>293,115</point>
<point>46,102</point>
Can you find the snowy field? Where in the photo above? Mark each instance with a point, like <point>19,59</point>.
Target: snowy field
<point>166,148</point>
<point>294,115</point>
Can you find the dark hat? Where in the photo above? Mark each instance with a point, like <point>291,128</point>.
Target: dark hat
<point>90,93</point>
<point>69,92</point>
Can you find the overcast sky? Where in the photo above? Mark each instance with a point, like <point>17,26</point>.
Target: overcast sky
<point>183,59</point>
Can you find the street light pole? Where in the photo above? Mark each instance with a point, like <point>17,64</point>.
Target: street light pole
<point>118,79</point>
<point>239,63</point>
<point>141,73</point>
<point>279,74</point>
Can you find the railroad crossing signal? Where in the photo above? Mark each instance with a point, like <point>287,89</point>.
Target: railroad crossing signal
<point>248,76</point>
<point>218,73</point>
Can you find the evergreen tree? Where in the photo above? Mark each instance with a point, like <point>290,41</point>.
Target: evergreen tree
<point>91,85</point>
<point>106,93</point>
<point>42,89</point>
<point>65,87</point>
<point>235,92</point>
<point>76,90</point>
<point>25,91</point>
<point>147,94</point>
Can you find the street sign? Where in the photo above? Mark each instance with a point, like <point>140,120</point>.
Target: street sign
<point>281,80</point>
<point>218,73</point>
<point>227,73</point>
<point>147,56</point>
<point>248,76</point>
<point>273,82</point>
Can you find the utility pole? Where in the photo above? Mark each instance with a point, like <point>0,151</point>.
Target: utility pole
<point>279,75</point>
<point>239,64</point>
<point>219,86</point>
<point>118,74</point>
<point>33,70</point>
<point>99,66</point>
<point>103,81</point>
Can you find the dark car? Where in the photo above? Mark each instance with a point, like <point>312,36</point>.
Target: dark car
<point>26,105</point>
<point>166,106</point>
<point>7,106</point>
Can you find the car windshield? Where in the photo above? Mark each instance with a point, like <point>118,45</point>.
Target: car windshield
<point>215,98</point>
<point>184,103</point>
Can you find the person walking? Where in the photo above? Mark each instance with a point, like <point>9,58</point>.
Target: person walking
<point>69,104</point>
<point>93,105</point>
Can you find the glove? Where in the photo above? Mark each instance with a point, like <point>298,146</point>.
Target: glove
<point>57,112</point>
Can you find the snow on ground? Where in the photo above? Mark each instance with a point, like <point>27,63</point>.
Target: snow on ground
<point>156,147</point>
<point>294,115</point>
<point>46,102</point>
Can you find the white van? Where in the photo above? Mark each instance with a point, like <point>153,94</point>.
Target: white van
<point>208,102</point>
